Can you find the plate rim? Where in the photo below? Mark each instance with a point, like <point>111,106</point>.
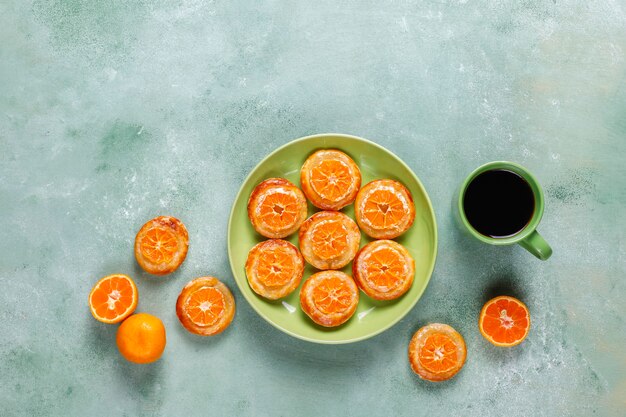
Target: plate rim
<point>396,319</point>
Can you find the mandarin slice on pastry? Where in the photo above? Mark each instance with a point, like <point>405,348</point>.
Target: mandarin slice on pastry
<point>329,240</point>
<point>330,179</point>
<point>437,352</point>
<point>383,269</point>
<point>329,298</point>
<point>161,245</point>
<point>384,209</point>
<point>205,306</point>
<point>274,268</point>
<point>276,208</point>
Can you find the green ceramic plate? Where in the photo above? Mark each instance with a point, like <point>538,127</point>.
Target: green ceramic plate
<point>371,317</point>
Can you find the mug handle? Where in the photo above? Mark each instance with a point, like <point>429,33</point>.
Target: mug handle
<point>536,245</point>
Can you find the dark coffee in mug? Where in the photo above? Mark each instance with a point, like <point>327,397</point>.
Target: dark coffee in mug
<point>498,203</point>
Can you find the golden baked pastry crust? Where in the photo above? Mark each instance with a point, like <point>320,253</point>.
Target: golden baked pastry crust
<point>383,269</point>
<point>277,208</point>
<point>161,245</point>
<point>330,179</point>
<point>384,209</point>
<point>186,316</point>
<point>450,343</point>
<point>274,268</point>
<point>329,240</point>
<point>329,298</point>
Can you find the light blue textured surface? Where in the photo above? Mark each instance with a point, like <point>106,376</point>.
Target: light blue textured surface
<point>113,112</point>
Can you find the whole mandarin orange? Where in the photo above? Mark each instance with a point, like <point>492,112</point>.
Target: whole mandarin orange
<point>141,338</point>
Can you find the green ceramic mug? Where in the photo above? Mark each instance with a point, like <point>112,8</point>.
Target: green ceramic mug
<point>528,237</point>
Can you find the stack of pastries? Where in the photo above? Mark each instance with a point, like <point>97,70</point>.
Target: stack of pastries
<point>329,239</point>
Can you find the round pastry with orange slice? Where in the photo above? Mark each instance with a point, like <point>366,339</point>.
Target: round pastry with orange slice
<point>276,208</point>
<point>384,209</point>
<point>330,179</point>
<point>161,245</point>
<point>274,268</point>
<point>205,306</point>
<point>113,298</point>
<point>504,321</point>
<point>437,352</point>
<point>383,269</point>
<point>329,240</point>
<point>329,298</point>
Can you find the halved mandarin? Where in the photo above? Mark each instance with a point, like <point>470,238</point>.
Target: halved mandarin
<point>161,245</point>
<point>113,298</point>
<point>205,306</point>
<point>329,240</point>
<point>384,209</point>
<point>329,298</point>
<point>437,352</point>
<point>383,269</point>
<point>504,321</point>
<point>274,268</point>
<point>330,179</point>
<point>276,208</point>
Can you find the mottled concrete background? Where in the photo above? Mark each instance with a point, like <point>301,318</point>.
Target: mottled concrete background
<point>112,112</point>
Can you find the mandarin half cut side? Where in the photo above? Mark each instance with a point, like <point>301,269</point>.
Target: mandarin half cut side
<point>113,298</point>
<point>504,321</point>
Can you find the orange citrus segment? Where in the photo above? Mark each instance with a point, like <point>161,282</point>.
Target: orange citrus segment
<point>385,268</point>
<point>504,321</point>
<point>205,306</point>
<point>439,353</point>
<point>159,245</point>
<point>113,298</point>
<point>332,295</point>
<point>329,239</point>
<point>331,179</point>
<point>278,209</point>
<point>383,208</point>
<point>276,267</point>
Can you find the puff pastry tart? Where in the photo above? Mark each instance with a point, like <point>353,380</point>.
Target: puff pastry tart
<point>437,352</point>
<point>384,209</point>
<point>330,179</point>
<point>329,240</point>
<point>329,298</point>
<point>161,245</point>
<point>383,269</point>
<point>276,208</point>
<point>205,306</point>
<point>274,268</point>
